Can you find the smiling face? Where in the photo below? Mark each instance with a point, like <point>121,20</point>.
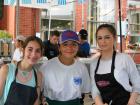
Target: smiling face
<point>105,39</point>
<point>68,49</point>
<point>32,52</point>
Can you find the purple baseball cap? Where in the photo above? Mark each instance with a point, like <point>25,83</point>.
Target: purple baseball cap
<point>68,35</point>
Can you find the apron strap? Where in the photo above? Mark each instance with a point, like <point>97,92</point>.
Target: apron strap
<point>113,61</point>
<point>17,69</point>
<point>97,65</point>
<point>69,102</point>
<point>35,76</point>
<point>112,65</point>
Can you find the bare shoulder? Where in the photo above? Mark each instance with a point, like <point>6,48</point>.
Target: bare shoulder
<point>4,69</point>
<point>3,73</point>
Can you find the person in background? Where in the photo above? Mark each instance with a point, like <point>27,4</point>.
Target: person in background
<point>114,77</point>
<point>20,83</point>
<point>51,45</point>
<point>65,78</point>
<point>18,53</point>
<point>84,48</point>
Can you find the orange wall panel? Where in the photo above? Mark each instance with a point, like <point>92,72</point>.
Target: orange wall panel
<point>28,20</point>
<point>11,20</point>
<point>8,21</point>
<point>78,14</point>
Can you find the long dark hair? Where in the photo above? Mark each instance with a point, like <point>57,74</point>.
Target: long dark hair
<point>110,28</point>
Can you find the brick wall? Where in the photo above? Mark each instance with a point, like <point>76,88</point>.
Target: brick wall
<point>3,21</point>
<point>28,21</point>
<point>123,17</point>
<point>78,18</point>
<point>8,21</point>
<point>136,57</point>
<point>123,10</point>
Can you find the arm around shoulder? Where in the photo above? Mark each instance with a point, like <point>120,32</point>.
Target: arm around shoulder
<point>86,86</point>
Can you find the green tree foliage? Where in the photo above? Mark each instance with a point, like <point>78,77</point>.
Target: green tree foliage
<point>4,34</point>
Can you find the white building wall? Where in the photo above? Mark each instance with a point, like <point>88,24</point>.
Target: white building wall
<point>106,10</point>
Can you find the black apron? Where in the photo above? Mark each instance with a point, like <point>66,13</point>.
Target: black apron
<point>20,94</point>
<point>69,102</point>
<point>111,91</point>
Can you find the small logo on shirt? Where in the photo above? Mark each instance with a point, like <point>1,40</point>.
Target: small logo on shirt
<point>77,80</point>
<point>103,83</point>
<point>52,53</point>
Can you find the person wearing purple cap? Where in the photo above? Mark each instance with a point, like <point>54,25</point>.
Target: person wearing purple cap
<point>65,78</point>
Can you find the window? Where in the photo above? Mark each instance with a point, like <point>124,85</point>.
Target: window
<point>135,25</point>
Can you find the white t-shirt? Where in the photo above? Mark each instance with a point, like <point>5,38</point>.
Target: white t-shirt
<point>18,55</point>
<point>125,70</point>
<point>63,82</point>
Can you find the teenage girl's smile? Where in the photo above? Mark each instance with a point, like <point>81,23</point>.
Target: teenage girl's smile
<point>33,52</point>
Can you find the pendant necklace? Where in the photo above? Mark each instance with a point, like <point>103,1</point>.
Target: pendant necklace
<point>24,76</point>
